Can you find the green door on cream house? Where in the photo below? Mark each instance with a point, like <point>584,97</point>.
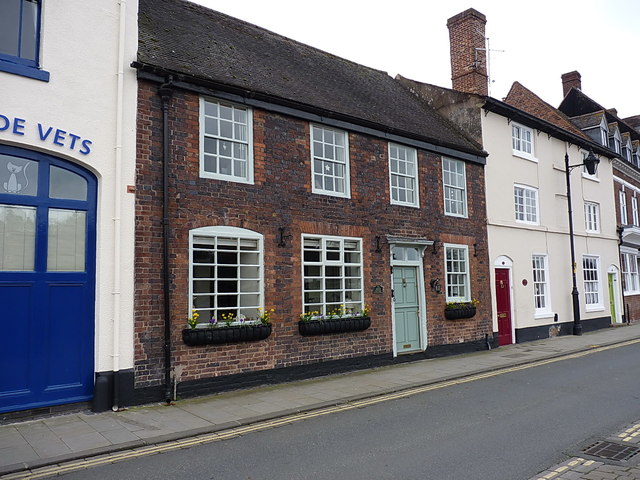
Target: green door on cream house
<point>406,308</point>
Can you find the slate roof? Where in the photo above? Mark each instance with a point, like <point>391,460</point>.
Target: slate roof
<point>588,120</point>
<point>524,99</point>
<point>182,37</point>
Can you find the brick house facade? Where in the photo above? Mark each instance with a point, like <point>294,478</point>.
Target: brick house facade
<point>279,206</point>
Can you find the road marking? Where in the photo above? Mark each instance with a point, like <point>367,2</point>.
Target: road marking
<point>297,417</point>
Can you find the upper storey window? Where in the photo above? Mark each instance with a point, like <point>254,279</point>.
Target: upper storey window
<point>403,173</point>
<point>522,140</point>
<point>330,161</point>
<point>615,140</point>
<point>626,148</point>
<point>226,143</point>
<point>20,38</point>
<point>454,182</point>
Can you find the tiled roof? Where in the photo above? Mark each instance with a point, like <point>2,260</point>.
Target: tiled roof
<point>524,99</point>
<point>203,44</point>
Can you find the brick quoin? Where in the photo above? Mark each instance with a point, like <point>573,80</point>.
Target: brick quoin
<point>281,197</point>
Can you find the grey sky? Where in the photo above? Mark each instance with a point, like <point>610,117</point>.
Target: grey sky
<point>541,40</point>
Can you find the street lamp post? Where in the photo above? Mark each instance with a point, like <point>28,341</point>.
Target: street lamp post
<point>591,163</point>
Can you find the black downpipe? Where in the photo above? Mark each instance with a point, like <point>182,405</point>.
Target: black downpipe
<point>166,91</point>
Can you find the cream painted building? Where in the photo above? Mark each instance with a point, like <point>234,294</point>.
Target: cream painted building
<point>67,176</point>
<point>528,227</point>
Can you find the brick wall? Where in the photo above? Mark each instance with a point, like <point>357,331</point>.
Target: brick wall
<point>281,197</point>
<point>631,301</point>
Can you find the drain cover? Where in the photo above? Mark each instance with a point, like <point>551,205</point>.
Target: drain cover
<point>612,451</point>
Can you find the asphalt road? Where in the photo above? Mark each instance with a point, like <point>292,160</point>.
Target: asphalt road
<point>507,427</point>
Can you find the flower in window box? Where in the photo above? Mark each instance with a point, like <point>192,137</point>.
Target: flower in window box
<point>192,321</point>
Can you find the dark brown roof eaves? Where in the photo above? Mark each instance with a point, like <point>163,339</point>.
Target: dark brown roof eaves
<point>182,37</point>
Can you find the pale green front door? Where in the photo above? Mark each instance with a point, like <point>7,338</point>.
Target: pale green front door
<point>406,308</point>
<point>612,299</point>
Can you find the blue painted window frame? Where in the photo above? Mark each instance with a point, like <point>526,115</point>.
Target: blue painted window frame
<point>24,66</point>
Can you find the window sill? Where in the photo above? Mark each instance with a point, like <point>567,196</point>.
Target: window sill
<point>455,215</point>
<point>24,71</point>
<point>531,224</point>
<point>411,205</point>
<point>331,194</point>
<point>543,315</point>
<point>594,308</point>
<point>593,178</point>
<point>225,178</point>
<point>524,156</point>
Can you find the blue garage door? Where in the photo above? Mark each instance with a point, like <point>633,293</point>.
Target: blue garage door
<point>47,280</point>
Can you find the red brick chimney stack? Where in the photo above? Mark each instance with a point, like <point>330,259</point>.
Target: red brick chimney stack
<point>571,79</point>
<point>468,54</point>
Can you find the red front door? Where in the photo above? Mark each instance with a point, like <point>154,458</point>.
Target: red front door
<point>503,306</point>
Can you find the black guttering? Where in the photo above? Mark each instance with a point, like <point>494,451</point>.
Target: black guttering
<point>306,112</point>
<point>513,113</point>
<point>165,91</point>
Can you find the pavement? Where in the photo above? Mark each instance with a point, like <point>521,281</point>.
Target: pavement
<point>40,448</point>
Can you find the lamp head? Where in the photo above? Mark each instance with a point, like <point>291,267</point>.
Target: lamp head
<point>591,163</point>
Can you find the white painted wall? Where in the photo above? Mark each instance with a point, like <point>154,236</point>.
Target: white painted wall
<point>79,47</point>
<point>551,237</point>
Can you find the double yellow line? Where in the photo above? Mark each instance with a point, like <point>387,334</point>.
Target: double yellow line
<point>278,422</point>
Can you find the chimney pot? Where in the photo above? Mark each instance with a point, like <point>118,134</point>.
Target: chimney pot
<point>570,80</point>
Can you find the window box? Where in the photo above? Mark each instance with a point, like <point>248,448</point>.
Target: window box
<point>334,325</point>
<point>461,310</point>
<point>195,337</point>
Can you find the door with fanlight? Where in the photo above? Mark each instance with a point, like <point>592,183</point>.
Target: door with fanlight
<point>47,280</point>
<point>503,306</point>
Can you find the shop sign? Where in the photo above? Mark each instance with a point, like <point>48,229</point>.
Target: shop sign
<point>46,133</point>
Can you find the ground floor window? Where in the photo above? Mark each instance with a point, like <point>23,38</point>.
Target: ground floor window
<point>591,275</point>
<point>226,273</point>
<point>630,272</point>
<point>332,275</point>
<point>540,284</point>
<point>457,273</point>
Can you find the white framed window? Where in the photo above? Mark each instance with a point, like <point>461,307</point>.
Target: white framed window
<point>403,173</point>
<point>634,210</point>
<point>622,196</point>
<point>591,277</point>
<point>332,274</point>
<point>626,148</point>
<point>615,141</point>
<point>541,291</point>
<point>604,132</point>
<point>592,217</point>
<point>457,273</point>
<point>526,204</point>
<point>629,266</point>
<point>522,140</point>
<point>330,161</point>
<point>454,181</point>
<point>226,141</point>
<point>226,273</point>
<point>635,156</point>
